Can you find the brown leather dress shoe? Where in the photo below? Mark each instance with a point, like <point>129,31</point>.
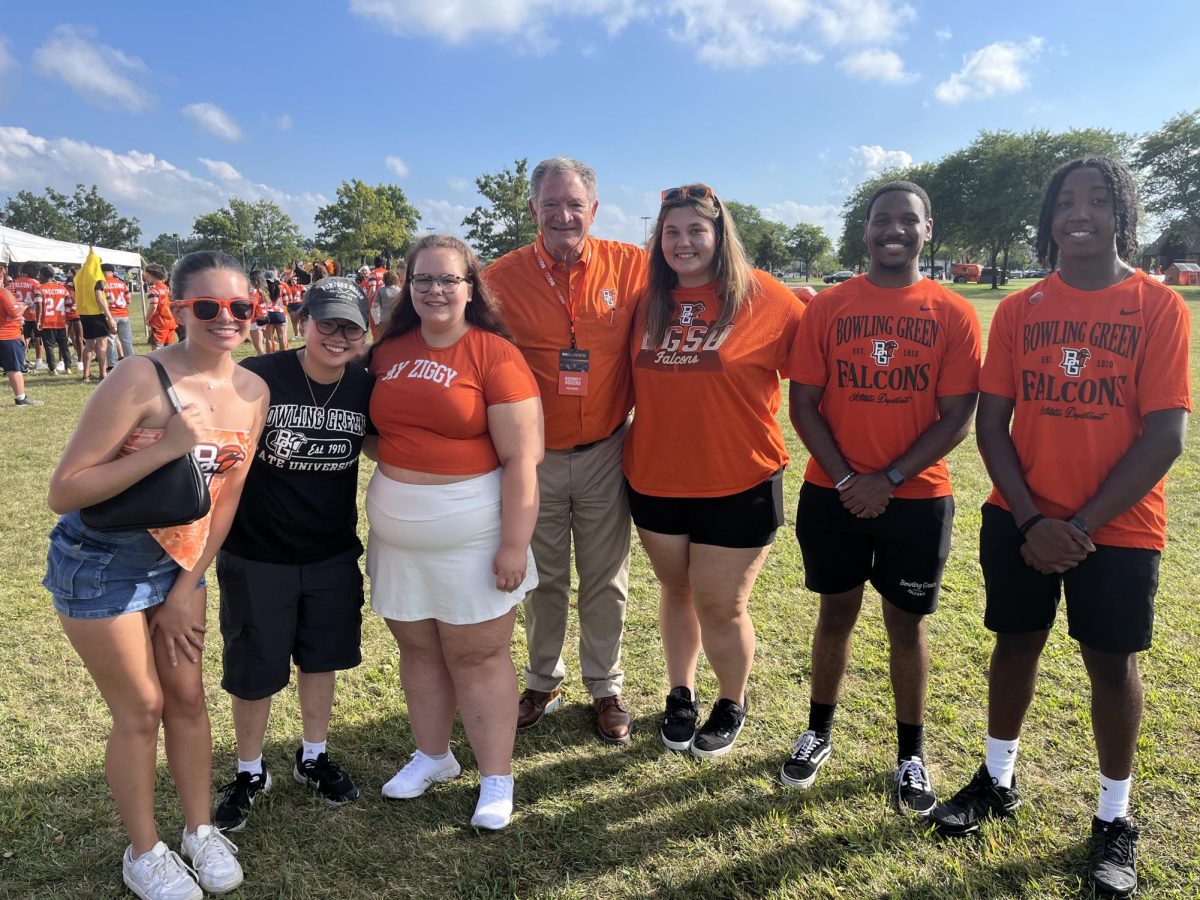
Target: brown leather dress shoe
<point>612,720</point>
<point>535,704</point>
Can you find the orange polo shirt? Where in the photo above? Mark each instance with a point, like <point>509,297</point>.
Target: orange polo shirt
<point>603,288</point>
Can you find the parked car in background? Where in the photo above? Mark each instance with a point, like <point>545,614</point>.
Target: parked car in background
<point>965,273</point>
<point>986,273</point>
<point>1036,273</point>
<point>838,277</point>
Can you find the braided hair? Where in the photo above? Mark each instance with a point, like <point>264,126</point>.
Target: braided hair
<point>1125,207</point>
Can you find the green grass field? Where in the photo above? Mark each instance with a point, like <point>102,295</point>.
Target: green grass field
<point>598,822</point>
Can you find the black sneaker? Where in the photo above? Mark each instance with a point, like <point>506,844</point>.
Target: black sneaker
<point>240,794</point>
<point>914,793</point>
<point>809,753</point>
<point>28,401</point>
<point>716,736</point>
<point>982,797</point>
<point>1112,864</point>
<point>679,721</point>
<point>325,778</point>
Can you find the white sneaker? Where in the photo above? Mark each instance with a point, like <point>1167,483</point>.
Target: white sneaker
<point>212,854</point>
<point>79,366</point>
<point>61,367</point>
<point>159,874</point>
<point>421,772</point>
<point>494,809</point>
<point>40,366</point>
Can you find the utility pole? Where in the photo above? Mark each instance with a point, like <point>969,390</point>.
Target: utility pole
<point>645,228</point>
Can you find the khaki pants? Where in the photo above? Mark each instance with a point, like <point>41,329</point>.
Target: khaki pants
<point>582,496</point>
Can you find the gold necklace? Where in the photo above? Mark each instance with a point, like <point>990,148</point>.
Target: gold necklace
<point>308,384</point>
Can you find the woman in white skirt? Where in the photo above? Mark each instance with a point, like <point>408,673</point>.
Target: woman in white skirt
<point>452,507</point>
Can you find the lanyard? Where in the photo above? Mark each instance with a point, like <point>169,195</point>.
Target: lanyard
<point>549,276</point>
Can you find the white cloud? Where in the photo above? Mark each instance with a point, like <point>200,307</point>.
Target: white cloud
<point>443,216</point>
<point>723,33</point>
<point>790,212</point>
<point>871,160</point>
<point>397,165</point>
<point>943,34</point>
<point>164,196</point>
<point>997,69</point>
<point>214,120</point>
<point>874,64</point>
<point>99,73</point>
<point>458,184</point>
<point>284,123</point>
<point>6,60</point>
<point>614,224</point>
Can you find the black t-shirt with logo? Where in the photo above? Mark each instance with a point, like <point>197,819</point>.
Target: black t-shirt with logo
<point>300,502</point>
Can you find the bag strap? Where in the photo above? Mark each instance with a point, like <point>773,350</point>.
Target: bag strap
<point>165,380</point>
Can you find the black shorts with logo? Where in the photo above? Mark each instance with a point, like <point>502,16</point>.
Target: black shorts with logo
<point>1110,595</point>
<point>744,520</point>
<point>901,552</point>
<point>273,613</point>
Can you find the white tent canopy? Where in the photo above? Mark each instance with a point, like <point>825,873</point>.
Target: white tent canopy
<point>19,246</point>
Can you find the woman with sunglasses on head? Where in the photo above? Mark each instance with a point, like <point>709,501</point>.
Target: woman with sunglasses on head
<point>132,602</point>
<point>705,455</point>
<point>452,507</point>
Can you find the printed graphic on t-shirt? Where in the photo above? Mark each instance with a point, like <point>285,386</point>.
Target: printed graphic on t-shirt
<point>292,438</point>
<point>217,459</point>
<point>1077,368</point>
<point>883,358</point>
<point>691,341</point>
<point>422,369</point>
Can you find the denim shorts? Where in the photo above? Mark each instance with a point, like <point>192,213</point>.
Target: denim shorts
<point>97,574</point>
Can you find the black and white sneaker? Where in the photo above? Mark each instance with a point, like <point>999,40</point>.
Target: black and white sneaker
<point>240,794</point>
<point>679,721</point>
<point>717,734</point>
<point>1112,861</point>
<point>980,799</point>
<point>326,778</point>
<point>809,752</point>
<point>914,792</point>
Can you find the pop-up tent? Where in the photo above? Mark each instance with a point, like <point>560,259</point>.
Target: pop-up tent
<point>20,246</point>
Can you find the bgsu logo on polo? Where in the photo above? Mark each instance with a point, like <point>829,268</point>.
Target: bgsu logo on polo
<point>690,343</point>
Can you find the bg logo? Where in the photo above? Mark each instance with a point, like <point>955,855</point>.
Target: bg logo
<point>883,351</point>
<point>689,311</point>
<point>1074,360</point>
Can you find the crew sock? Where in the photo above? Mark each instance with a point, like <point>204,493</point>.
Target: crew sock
<point>820,718</point>
<point>253,766</point>
<point>312,749</point>
<point>1002,760</point>
<point>910,740</point>
<point>1114,798</point>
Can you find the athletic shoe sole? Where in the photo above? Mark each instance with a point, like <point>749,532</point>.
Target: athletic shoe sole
<point>242,824</point>
<point>315,785</point>
<point>804,784</point>
<point>546,710</point>
<point>429,782</point>
<point>198,895</point>
<point>968,830</point>
<point>677,746</point>
<point>720,751</point>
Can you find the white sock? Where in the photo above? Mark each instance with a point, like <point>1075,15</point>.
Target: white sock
<point>1001,760</point>
<point>1114,798</point>
<point>19,397</point>
<point>312,750</point>
<point>253,766</point>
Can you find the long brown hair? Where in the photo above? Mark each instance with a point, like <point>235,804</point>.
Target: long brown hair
<point>730,268</point>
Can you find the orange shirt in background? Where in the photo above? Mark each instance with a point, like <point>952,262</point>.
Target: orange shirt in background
<point>883,357</point>
<point>117,293</point>
<point>430,403</point>
<point>705,399</point>
<point>1083,369</point>
<point>11,316</point>
<point>161,321</point>
<point>25,289</point>
<point>72,310</point>
<point>604,285</point>
<point>53,308</point>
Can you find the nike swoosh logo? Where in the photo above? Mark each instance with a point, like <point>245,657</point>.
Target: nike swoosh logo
<point>929,308</point>
<point>1130,312</point>
<point>1010,752</point>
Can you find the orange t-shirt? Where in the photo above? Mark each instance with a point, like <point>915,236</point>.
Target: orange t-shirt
<point>374,283</point>
<point>11,316</point>
<point>25,289</point>
<point>72,311</point>
<point>883,357</point>
<point>260,309</point>
<point>704,423</point>
<point>162,320</point>
<point>1084,368</point>
<point>53,311</point>
<point>117,293</point>
<point>430,404</point>
<point>604,285</point>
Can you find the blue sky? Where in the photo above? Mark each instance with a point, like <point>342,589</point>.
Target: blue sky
<point>173,108</point>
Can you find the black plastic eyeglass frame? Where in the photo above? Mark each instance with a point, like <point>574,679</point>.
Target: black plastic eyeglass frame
<point>329,328</point>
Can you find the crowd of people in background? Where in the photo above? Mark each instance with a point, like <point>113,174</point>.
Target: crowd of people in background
<point>525,414</point>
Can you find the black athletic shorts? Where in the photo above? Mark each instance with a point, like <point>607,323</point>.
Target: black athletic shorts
<point>1110,595</point>
<point>902,551</point>
<point>294,307</point>
<point>94,327</point>
<point>744,520</point>
<point>272,614</point>
<point>29,330</point>
<point>276,318</point>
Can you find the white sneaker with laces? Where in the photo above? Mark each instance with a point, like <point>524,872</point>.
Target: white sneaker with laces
<point>61,367</point>
<point>212,854</point>
<point>495,806</point>
<point>159,874</point>
<point>421,772</point>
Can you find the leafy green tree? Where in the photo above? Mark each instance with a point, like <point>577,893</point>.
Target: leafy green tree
<point>771,253</point>
<point>96,221</point>
<point>366,221</point>
<point>43,215</point>
<point>750,223</point>
<point>258,233</point>
<point>504,222</point>
<point>1169,160</point>
<point>168,247</point>
<point>807,243</point>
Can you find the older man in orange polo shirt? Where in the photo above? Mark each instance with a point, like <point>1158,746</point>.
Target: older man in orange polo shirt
<point>568,300</point>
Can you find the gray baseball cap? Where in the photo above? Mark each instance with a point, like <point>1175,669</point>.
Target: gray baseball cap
<point>336,298</point>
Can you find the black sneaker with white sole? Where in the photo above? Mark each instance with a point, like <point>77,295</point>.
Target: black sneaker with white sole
<point>914,792</point>
<point>720,730</point>
<point>809,752</point>
<point>326,778</point>
<point>980,799</point>
<point>679,721</point>
<point>1112,860</point>
<point>239,796</point>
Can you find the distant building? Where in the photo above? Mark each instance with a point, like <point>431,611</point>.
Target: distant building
<point>1173,245</point>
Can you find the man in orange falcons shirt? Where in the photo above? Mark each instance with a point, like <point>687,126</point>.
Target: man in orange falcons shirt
<point>52,320</point>
<point>1090,368</point>
<point>12,346</point>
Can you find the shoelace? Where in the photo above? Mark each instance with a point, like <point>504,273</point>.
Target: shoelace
<point>171,869</point>
<point>322,768</point>
<point>680,709</point>
<point>1118,844</point>
<point>804,746</point>
<point>239,786</point>
<point>912,775</point>
<point>728,721</point>
<point>215,844</point>
<point>493,789</point>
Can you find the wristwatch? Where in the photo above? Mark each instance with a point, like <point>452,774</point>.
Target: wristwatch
<point>895,476</point>
<point>1079,523</point>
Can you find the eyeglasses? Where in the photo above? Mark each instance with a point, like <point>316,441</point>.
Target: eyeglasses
<point>690,192</point>
<point>423,284</point>
<point>208,308</point>
<point>329,327</point>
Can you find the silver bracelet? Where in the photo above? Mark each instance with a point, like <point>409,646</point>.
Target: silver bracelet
<point>845,480</point>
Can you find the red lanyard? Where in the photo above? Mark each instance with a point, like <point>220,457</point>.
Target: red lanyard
<point>549,276</point>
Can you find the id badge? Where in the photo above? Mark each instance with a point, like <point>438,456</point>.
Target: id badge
<point>572,373</point>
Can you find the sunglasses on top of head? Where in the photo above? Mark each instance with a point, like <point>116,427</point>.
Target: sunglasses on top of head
<point>208,308</point>
<point>688,192</point>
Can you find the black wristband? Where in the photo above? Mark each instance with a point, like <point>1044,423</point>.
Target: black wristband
<point>1079,523</point>
<point>1029,523</point>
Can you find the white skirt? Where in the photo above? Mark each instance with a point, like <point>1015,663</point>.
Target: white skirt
<point>431,547</point>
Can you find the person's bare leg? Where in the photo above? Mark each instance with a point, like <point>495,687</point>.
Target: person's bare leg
<point>428,688</point>
<point>908,658</point>
<point>1011,681</point>
<point>479,661</point>
<point>1116,709</point>
<point>316,703</point>
<point>250,719</point>
<point>831,643</point>
<point>677,623</point>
